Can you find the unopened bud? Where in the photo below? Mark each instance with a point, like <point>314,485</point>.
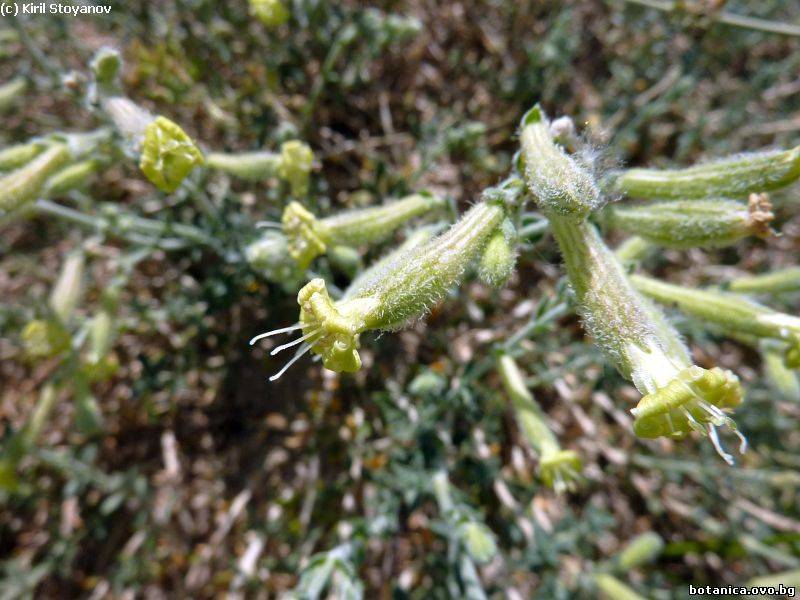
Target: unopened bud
<point>15,156</point>
<point>69,178</point>
<point>560,185</point>
<point>478,540</point>
<point>735,176</point>
<point>69,287</point>
<point>10,93</point>
<point>612,588</point>
<point>44,339</point>
<point>499,257</point>
<point>105,65</point>
<point>23,186</point>
<point>643,549</point>
<point>695,223</point>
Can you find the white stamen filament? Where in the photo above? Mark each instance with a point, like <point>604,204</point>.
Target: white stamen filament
<point>261,336</point>
<point>712,433</point>
<point>294,343</point>
<point>300,352</point>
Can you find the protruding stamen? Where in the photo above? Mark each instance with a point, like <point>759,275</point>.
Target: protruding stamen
<point>693,423</point>
<point>261,336</point>
<point>742,440</point>
<point>303,349</point>
<point>294,343</point>
<point>712,433</point>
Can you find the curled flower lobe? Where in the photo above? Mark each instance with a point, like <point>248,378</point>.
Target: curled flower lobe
<point>168,154</point>
<point>301,230</point>
<point>696,399</point>
<point>332,330</point>
<point>561,470</point>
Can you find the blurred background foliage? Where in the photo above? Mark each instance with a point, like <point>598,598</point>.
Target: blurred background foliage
<point>180,471</point>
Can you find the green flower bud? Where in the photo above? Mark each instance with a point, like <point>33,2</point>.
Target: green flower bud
<point>559,469</point>
<point>295,165</point>
<point>782,280</point>
<point>427,384</point>
<point>788,579</point>
<point>500,256</point>
<point>478,540</point>
<point>641,550</point>
<point>101,336</point>
<point>18,155</point>
<point>635,336</point>
<point>696,223</point>
<point>612,588</point>
<point>45,339</point>
<point>24,185</point>
<point>68,288</point>
<point>734,176</point>
<point>561,186</point>
<point>271,13</point>
<point>69,178</point>
<point>10,93</point>
<point>404,289</point>
<point>270,255</point>
<point>253,166</point>
<point>105,65</point>
<point>731,312</point>
<point>309,237</point>
<point>168,154</point>
<point>783,380</point>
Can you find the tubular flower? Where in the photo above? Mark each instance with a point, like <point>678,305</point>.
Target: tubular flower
<point>678,397</point>
<point>560,469</point>
<point>24,185</point>
<point>403,289</point>
<point>560,184</point>
<point>18,155</point>
<point>696,223</point>
<point>309,237</point>
<point>731,312</point>
<point>71,177</point>
<point>633,334</point>
<point>292,164</point>
<point>734,176</point>
<point>11,92</point>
